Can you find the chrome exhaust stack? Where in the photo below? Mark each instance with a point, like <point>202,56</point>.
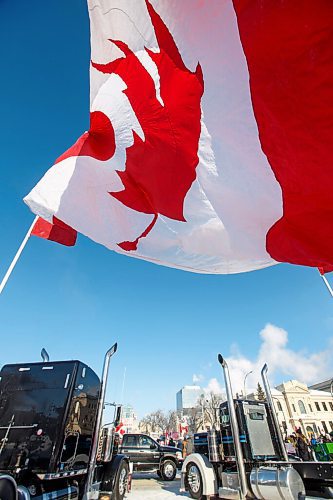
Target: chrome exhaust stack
<point>234,427</point>
<point>273,412</point>
<point>45,356</point>
<point>92,461</point>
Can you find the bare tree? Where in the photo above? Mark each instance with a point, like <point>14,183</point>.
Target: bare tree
<point>154,422</point>
<point>194,419</point>
<point>172,421</point>
<point>209,405</point>
<point>144,424</point>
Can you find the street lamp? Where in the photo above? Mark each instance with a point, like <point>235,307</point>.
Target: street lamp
<point>249,373</point>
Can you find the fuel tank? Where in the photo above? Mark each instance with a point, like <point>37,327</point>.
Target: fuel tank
<point>276,483</point>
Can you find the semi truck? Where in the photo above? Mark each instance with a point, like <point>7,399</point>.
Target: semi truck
<point>246,457</point>
<point>52,441</point>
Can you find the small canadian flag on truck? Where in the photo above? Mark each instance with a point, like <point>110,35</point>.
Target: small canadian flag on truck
<point>121,429</point>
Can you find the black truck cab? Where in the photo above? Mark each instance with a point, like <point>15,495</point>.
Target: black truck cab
<point>51,433</point>
<point>47,417</point>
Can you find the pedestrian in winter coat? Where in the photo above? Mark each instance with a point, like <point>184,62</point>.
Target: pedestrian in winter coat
<point>184,447</point>
<point>302,446</point>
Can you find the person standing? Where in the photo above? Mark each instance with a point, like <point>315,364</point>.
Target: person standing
<point>302,446</point>
<point>184,447</point>
<point>171,442</point>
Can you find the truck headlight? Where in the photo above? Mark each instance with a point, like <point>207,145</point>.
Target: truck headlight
<point>179,455</point>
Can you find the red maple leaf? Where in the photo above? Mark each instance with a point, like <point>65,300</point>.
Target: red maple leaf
<point>161,168</point>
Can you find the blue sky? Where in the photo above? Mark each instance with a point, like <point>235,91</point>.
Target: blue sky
<point>77,301</point>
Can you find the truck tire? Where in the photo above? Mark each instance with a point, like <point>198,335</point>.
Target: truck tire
<point>168,470</point>
<point>193,482</point>
<point>120,484</point>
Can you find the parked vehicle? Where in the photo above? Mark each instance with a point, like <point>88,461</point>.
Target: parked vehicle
<point>149,456</point>
<point>246,457</point>
<point>52,444</point>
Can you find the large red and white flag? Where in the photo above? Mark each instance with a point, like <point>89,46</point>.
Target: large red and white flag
<point>210,140</point>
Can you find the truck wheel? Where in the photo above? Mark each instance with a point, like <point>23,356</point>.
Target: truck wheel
<point>193,481</point>
<point>120,485</point>
<point>168,470</point>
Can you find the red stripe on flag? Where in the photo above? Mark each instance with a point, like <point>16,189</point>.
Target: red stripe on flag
<point>58,231</point>
<point>289,51</point>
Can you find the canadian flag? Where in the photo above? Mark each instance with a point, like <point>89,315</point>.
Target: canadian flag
<point>210,139</point>
<point>120,429</point>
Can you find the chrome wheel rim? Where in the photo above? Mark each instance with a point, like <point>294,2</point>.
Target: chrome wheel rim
<point>168,470</point>
<point>122,481</point>
<point>193,478</point>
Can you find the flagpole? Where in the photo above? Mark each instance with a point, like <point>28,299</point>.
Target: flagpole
<point>18,253</point>
<point>329,288</point>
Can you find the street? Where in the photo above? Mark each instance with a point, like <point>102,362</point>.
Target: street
<point>150,487</point>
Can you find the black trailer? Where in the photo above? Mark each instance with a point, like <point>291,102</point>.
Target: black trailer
<point>52,444</point>
<point>246,457</point>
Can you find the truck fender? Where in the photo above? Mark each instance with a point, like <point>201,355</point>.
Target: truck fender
<point>207,472</point>
<point>8,487</point>
<point>110,471</point>
<point>23,493</point>
<point>168,457</point>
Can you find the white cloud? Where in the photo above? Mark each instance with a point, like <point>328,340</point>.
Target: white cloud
<point>281,360</point>
<point>197,378</point>
<point>214,387</point>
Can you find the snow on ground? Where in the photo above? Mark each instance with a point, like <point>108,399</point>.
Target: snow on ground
<point>150,487</point>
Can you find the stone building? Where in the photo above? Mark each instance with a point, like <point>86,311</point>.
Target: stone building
<point>298,406</point>
<point>129,419</point>
<point>187,398</point>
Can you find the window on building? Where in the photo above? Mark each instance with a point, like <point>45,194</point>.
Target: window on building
<point>279,406</point>
<point>310,408</point>
<point>317,406</point>
<point>294,409</point>
<point>324,426</point>
<point>331,405</point>
<point>325,406</point>
<point>284,425</point>
<point>309,430</point>
<point>331,424</point>
<point>301,406</point>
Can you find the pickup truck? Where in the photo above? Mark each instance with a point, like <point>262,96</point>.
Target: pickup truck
<point>147,455</point>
